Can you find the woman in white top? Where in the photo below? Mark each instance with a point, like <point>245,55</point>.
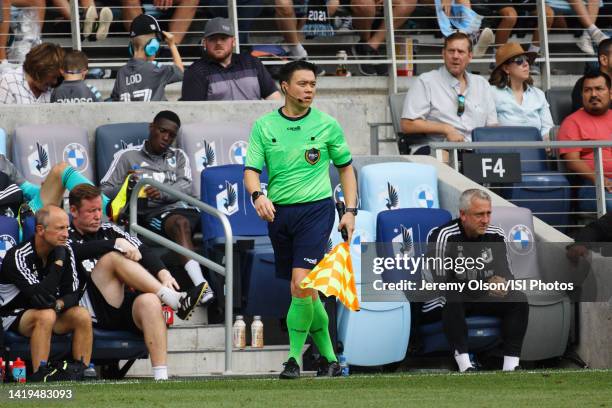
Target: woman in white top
<point>517,101</point>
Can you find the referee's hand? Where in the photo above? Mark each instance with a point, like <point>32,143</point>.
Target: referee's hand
<point>265,209</point>
<point>348,222</point>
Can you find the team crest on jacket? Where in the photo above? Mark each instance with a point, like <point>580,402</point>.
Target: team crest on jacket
<point>76,155</point>
<point>312,156</point>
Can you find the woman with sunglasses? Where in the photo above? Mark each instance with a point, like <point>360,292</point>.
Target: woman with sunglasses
<point>517,101</point>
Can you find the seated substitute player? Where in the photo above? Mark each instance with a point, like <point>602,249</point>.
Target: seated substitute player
<point>296,143</point>
<point>40,291</point>
<point>470,236</point>
<point>110,259</point>
<point>74,89</point>
<point>156,159</point>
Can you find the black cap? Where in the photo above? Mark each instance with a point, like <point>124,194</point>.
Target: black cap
<point>218,25</point>
<point>145,24</point>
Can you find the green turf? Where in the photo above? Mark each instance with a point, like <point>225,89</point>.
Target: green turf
<point>534,389</point>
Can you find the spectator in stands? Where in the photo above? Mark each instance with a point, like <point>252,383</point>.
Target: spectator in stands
<point>109,259</point>
<point>447,103</point>
<point>298,206</point>
<point>41,290</point>
<point>372,32</point>
<point>517,101</point>
<point>179,22</point>
<point>90,19</point>
<point>142,78</point>
<point>32,82</point>
<point>74,89</point>
<point>248,12</point>
<point>604,55</point>
<point>469,236</point>
<point>164,214</point>
<point>289,25</point>
<point>509,14</point>
<point>593,123</point>
<point>39,7</point>
<point>222,75</point>
<point>587,16</point>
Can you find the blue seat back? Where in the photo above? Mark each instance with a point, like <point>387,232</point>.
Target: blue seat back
<point>336,186</point>
<point>9,235</point>
<point>2,142</point>
<point>364,232</point>
<point>212,144</point>
<point>388,186</point>
<point>517,223</point>
<point>111,138</point>
<point>37,148</point>
<point>560,100</point>
<point>223,188</point>
<point>531,159</point>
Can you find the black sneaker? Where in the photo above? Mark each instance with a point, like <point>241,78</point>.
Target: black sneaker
<point>363,50</point>
<point>291,370</point>
<point>66,371</point>
<point>471,370</point>
<point>323,367</point>
<point>41,374</point>
<point>327,369</point>
<point>190,300</point>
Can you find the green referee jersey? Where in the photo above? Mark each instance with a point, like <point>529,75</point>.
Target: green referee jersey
<point>296,153</point>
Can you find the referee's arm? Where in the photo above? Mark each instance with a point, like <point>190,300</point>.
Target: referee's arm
<point>349,188</point>
<point>263,206</point>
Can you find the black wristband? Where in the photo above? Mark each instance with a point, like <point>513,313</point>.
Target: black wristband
<point>255,195</point>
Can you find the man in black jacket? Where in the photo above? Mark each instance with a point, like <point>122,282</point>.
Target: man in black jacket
<point>40,291</point>
<point>472,236</point>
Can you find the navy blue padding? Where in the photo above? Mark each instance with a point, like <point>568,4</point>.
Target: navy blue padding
<point>266,295</point>
<point>113,137</point>
<point>29,227</point>
<point>483,333</point>
<point>107,345</point>
<point>9,235</point>
<point>531,159</point>
<point>546,191</point>
<point>222,187</point>
<point>394,225</point>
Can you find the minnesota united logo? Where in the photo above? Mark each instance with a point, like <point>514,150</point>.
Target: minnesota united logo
<point>392,200</point>
<point>312,156</point>
<point>330,245</point>
<point>227,199</point>
<point>405,240</point>
<point>39,161</point>
<point>206,156</point>
<point>76,155</point>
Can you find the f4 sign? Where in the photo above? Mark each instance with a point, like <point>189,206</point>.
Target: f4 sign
<point>492,167</point>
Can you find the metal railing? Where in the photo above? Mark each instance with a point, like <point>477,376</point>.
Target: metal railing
<point>226,270</point>
<point>438,149</point>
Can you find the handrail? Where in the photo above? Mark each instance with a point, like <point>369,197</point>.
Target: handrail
<point>226,271</point>
<point>437,147</point>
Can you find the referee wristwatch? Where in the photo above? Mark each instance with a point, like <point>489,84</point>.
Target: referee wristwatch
<point>256,194</point>
<point>354,211</point>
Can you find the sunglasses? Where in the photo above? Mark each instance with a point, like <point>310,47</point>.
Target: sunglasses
<point>460,105</point>
<point>521,60</point>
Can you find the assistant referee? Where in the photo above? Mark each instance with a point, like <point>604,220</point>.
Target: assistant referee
<point>296,144</point>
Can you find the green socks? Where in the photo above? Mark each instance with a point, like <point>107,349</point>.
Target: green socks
<point>299,319</point>
<point>72,178</point>
<point>319,330</point>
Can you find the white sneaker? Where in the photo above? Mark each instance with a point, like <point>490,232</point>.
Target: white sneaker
<point>585,43</point>
<point>485,39</point>
<point>90,18</point>
<point>106,18</point>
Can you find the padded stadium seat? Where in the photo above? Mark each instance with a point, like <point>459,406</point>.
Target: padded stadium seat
<point>2,142</point>
<point>111,138</point>
<point>388,186</point>
<point>9,235</point>
<point>404,141</point>
<point>222,187</point>
<point>17,345</point>
<point>378,334</point>
<point>547,193</point>
<point>336,186</point>
<point>549,312</point>
<point>213,144</point>
<point>560,101</point>
<point>37,148</point>
<point>410,227</point>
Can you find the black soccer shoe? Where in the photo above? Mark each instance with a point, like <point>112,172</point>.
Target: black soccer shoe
<point>334,370</point>
<point>323,367</point>
<point>66,371</point>
<point>291,370</point>
<point>41,374</point>
<point>190,300</point>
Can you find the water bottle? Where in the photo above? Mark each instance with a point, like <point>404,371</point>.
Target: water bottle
<point>18,370</point>
<point>239,332</point>
<point>257,332</point>
<point>344,365</point>
<point>341,69</point>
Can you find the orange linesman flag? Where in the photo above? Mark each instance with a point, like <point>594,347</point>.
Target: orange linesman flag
<point>333,276</point>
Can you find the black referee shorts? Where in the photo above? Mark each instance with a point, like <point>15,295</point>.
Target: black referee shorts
<point>299,235</point>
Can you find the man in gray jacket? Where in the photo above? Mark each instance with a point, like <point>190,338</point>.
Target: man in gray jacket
<point>156,159</point>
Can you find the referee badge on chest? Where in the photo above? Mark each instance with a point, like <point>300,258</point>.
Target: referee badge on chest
<point>312,156</point>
